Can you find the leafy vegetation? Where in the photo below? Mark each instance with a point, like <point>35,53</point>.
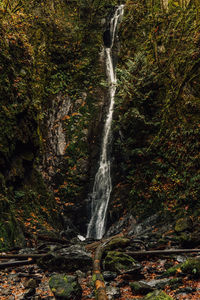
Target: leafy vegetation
<point>49,49</point>
<point>157,111</point>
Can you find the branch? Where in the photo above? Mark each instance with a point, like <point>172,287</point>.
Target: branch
<point>28,255</point>
<point>15,263</point>
<point>161,252</point>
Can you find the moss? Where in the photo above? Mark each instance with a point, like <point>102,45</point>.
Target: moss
<point>157,295</point>
<point>65,286</point>
<point>11,234</point>
<point>183,224</point>
<point>118,242</point>
<point>140,288</point>
<point>190,266</point>
<point>118,261</point>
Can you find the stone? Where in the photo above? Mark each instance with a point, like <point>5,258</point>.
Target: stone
<point>65,287</point>
<point>158,283</point>
<point>139,287</point>
<point>108,275</point>
<point>31,283</point>
<point>68,259</point>
<point>120,262</point>
<point>113,292</point>
<point>157,295</point>
<point>183,224</point>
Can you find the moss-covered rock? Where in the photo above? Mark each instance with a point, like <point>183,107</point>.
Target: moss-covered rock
<point>120,262</point>
<point>190,266</point>
<point>183,224</point>
<point>157,295</point>
<point>65,287</point>
<point>139,287</point>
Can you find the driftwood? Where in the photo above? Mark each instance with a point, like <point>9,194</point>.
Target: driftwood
<point>161,252</point>
<point>9,264</point>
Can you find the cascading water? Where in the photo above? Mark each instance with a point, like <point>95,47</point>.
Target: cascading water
<point>102,184</point>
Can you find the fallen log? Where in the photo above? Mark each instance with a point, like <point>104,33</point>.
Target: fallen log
<point>100,288</point>
<point>94,245</point>
<point>28,255</point>
<point>161,252</point>
<point>9,264</point>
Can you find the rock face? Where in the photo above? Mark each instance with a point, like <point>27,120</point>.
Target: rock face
<point>65,287</point>
<point>68,260</point>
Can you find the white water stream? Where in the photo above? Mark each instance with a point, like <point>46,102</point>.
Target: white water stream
<point>102,184</point>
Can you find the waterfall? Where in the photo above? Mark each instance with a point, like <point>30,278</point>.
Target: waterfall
<point>102,183</point>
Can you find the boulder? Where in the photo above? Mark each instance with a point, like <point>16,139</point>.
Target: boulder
<point>65,287</point>
<point>121,263</point>
<point>67,259</point>
<point>139,287</point>
<point>158,283</point>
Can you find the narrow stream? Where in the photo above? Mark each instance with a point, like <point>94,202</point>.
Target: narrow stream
<point>102,184</point>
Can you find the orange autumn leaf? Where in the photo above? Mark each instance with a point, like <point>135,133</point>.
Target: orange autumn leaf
<point>99,284</point>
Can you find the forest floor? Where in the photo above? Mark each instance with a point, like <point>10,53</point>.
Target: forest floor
<point>32,282</point>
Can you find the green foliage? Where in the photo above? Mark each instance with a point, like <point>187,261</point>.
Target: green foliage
<point>157,110</point>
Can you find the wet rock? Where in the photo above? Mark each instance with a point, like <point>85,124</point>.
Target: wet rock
<point>65,287</point>
<point>127,222</point>
<point>157,295</point>
<point>113,292</point>
<point>108,275</point>
<point>158,283</point>
<point>68,260</point>
<point>139,287</point>
<point>121,263</point>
